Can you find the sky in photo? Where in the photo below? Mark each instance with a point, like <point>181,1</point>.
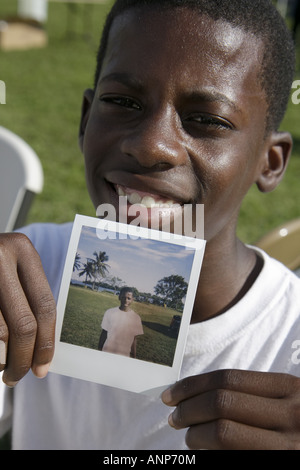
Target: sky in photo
<point>139,263</point>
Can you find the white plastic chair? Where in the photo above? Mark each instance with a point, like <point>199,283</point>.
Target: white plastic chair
<point>21,177</point>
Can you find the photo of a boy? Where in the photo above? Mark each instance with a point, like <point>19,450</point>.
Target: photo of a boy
<point>120,327</point>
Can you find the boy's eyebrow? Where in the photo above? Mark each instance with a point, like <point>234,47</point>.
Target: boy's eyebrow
<point>124,78</point>
<point>209,96</point>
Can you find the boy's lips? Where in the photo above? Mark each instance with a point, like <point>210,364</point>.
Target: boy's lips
<point>152,206</point>
<point>149,209</point>
<point>144,198</point>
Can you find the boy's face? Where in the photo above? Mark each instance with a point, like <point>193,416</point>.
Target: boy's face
<point>126,299</point>
<point>178,115</point>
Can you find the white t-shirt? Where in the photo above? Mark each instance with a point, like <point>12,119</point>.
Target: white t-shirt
<point>258,333</point>
<point>122,327</point>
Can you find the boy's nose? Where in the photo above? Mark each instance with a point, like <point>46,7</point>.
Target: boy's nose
<point>156,140</point>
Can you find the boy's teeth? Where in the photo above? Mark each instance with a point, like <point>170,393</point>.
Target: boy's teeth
<point>120,191</point>
<point>134,198</point>
<point>147,201</point>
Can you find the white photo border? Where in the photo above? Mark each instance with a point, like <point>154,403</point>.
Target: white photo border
<point>111,369</point>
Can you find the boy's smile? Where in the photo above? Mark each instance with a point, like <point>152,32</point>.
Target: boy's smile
<point>141,197</point>
<point>176,121</point>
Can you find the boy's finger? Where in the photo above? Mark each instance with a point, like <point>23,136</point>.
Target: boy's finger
<point>27,306</point>
<point>234,406</point>
<point>43,307</point>
<point>229,435</point>
<point>22,331</point>
<point>3,342</point>
<point>272,385</point>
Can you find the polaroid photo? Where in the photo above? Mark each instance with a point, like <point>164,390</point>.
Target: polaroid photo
<point>133,338</point>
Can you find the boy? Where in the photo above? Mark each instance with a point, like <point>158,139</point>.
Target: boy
<point>120,327</point>
<point>188,98</point>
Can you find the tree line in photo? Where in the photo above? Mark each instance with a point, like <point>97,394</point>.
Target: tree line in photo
<point>170,291</point>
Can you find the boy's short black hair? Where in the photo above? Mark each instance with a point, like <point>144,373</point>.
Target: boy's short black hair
<point>258,17</point>
<point>123,290</point>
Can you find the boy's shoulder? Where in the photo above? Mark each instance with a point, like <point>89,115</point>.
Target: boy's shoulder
<point>279,268</point>
<point>47,232</point>
<point>276,281</point>
<point>112,310</point>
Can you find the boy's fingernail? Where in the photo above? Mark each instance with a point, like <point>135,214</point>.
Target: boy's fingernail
<point>166,396</point>
<point>2,353</point>
<point>170,420</point>
<point>41,371</point>
<point>11,384</point>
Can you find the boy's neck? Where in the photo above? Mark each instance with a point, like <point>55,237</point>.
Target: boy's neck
<point>226,276</point>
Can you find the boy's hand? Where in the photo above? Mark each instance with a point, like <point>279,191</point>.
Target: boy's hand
<point>27,310</point>
<point>233,409</point>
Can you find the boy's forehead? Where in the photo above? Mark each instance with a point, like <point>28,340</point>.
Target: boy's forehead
<point>165,39</point>
<point>183,23</point>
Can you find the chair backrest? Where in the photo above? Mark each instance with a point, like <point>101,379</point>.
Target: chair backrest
<point>21,177</point>
<point>283,243</point>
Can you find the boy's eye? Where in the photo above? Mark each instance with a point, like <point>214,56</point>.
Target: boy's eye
<point>213,122</point>
<point>122,101</point>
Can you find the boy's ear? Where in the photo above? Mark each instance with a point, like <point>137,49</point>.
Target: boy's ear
<point>87,101</point>
<point>274,163</point>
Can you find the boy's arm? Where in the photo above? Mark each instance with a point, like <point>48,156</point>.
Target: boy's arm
<point>27,310</point>
<point>102,340</point>
<point>238,410</point>
<point>133,348</point>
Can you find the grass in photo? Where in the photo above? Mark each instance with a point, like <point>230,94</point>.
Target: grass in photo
<point>84,313</point>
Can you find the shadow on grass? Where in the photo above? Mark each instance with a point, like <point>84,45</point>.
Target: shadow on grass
<point>163,329</point>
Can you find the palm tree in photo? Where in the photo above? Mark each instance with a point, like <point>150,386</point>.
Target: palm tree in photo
<point>77,262</point>
<point>88,270</point>
<point>100,266</point>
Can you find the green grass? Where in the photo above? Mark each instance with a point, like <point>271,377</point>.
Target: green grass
<point>83,316</point>
<point>44,90</point>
